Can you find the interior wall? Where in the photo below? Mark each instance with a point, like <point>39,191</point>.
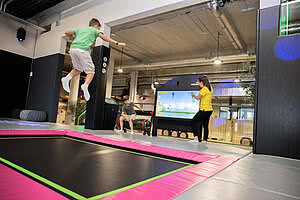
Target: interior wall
<point>278,97</point>
<point>9,43</point>
<point>16,61</point>
<point>45,85</point>
<point>14,86</point>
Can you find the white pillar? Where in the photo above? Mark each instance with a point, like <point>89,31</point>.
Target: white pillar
<point>109,76</point>
<point>133,86</point>
<point>72,102</point>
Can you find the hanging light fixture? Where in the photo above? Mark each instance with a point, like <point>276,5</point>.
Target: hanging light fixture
<point>237,80</point>
<point>218,61</point>
<point>120,70</point>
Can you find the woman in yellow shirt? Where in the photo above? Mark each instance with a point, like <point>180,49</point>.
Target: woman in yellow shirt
<point>202,117</point>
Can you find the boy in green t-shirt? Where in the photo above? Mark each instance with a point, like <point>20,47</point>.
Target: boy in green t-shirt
<point>83,39</point>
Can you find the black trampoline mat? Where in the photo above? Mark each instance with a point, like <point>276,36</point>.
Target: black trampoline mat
<point>84,168</point>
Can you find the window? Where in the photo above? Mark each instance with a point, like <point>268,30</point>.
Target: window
<point>289,17</point>
<point>246,114</point>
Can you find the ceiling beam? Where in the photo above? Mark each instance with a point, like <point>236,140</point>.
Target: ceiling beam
<point>190,62</point>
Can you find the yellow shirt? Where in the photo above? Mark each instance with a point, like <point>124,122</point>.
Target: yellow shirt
<point>205,104</point>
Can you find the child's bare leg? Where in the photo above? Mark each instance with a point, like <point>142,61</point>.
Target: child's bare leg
<point>85,86</point>
<point>89,78</point>
<point>65,81</point>
<point>74,73</point>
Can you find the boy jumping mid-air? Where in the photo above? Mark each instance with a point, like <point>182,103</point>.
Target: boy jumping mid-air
<point>83,39</point>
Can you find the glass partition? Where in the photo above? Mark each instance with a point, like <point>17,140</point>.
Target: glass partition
<point>289,17</point>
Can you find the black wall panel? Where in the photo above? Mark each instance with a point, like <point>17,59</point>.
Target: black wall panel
<point>45,85</point>
<point>95,108</point>
<point>15,70</point>
<point>278,89</point>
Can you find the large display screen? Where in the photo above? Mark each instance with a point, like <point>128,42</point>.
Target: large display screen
<point>176,104</point>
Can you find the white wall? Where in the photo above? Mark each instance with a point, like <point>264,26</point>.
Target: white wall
<point>109,12</point>
<point>8,33</point>
<point>268,3</point>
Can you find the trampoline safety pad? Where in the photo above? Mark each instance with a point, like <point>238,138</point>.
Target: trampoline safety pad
<point>77,168</point>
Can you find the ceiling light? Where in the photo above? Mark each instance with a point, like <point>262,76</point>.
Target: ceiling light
<point>120,70</point>
<point>237,80</point>
<point>218,61</point>
<point>156,83</point>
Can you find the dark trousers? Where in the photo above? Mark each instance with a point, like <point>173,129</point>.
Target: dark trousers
<point>201,118</point>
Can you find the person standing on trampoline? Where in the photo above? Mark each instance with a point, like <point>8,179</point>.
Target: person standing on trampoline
<point>82,40</point>
<point>203,115</point>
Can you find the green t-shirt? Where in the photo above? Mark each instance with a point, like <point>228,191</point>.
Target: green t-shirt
<point>84,38</point>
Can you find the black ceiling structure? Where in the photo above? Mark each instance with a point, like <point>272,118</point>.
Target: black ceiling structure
<point>26,9</point>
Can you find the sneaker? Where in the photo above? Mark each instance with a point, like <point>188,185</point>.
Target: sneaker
<point>120,131</point>
<point>132,132</point>
<point>194,141</point>
<point>65,84</point>
<point>205,142</point>
<point>86,93</point>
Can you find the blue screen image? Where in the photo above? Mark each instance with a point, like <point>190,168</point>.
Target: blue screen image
<point>177,104</point>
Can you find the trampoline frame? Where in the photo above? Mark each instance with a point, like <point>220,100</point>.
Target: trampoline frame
<point>166,186</point>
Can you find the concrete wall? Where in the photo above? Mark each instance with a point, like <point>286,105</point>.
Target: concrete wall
<point>9,43</point>
<point>16,59</point>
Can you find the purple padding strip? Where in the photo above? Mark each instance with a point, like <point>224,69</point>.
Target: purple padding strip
<point>32,132</point>
<point>169,187</point>
<point>15,186</point>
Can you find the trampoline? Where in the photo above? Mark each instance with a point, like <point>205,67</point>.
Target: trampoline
<point>72,165</point>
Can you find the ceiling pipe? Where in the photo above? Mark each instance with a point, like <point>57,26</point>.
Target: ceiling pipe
<point>1,5</point>
<point>230,28</point>
<point>9,16</point>
<point>6,4</point>
<point>227,28</point>
<point>224,28</point>
<point>218,73</point>
<point>3,12</point>
<point>191,62</point>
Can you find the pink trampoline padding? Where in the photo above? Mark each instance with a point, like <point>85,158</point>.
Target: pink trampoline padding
<point>211,167</point>
<point>15,186</point>
<point>187,155</point>
<point>171,186</point>
<point>165,188</point>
